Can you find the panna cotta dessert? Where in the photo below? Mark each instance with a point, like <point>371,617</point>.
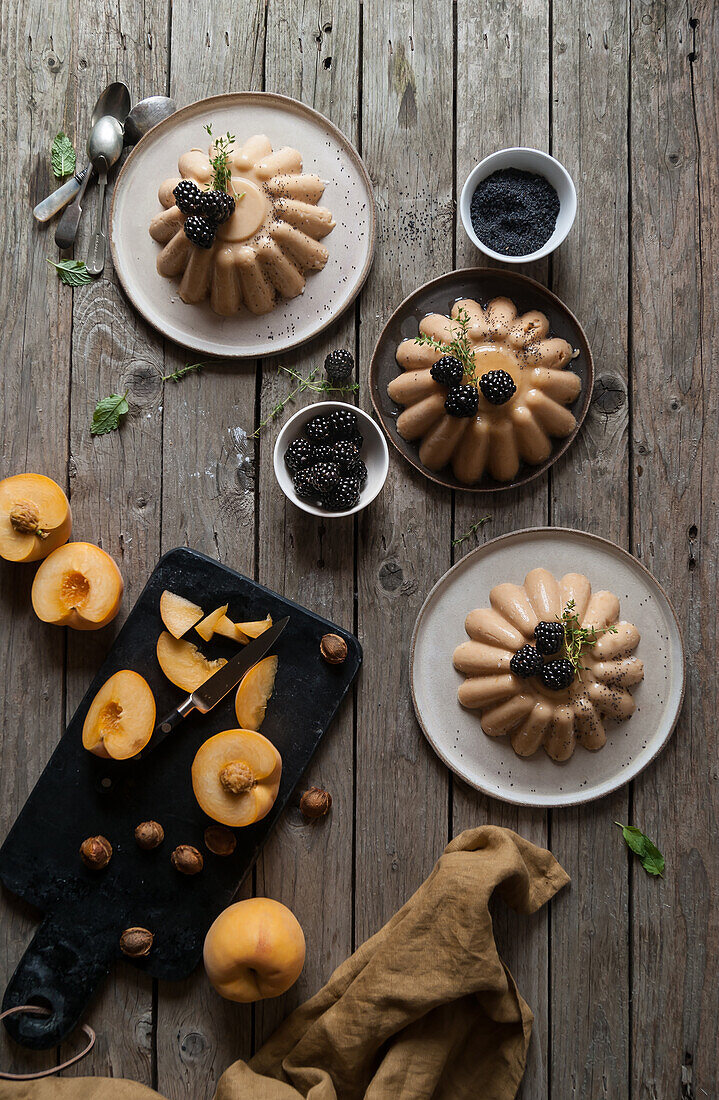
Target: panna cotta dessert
<point>484,390</point>
<point>241,225</point>
<point>547,662</point>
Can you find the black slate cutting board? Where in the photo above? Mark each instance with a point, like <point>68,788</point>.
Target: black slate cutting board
<point>78,795</point>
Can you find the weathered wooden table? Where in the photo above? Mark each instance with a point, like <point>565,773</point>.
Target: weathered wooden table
<point>623,971</point>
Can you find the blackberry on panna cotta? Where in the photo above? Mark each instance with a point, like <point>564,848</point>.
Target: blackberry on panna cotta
<point>187,196</point>
<point>216,206</point>
<point>199,231</point>
<point>448,371</point>
<point>526,662</point>
<point>497,386</point>
<point>462,401</point>
<point>549,637</point>
<point>339,366</point>
<point>557,675</point>
<point>299,454</point>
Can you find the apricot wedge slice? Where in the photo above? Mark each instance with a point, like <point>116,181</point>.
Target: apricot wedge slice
<point>253,630</point>
<point>121,717</point>
<point>34,517</point>
<point>178,614</point>
<point>183,664</point>
<point>208,626</point>
<point>236,777</point>
<point>79,586</point>
<point>254,692</point>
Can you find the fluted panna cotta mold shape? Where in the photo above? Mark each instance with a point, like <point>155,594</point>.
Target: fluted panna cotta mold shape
<point>268,246</point>
<point>532,715</point>
<point>498,437</point>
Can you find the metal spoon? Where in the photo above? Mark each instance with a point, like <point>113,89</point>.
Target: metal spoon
<point>103,147</point>
<point>107,136</point>
<point>146,114</point>
<point>115,100</point>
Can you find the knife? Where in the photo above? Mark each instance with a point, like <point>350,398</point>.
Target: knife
<point>216,688</point>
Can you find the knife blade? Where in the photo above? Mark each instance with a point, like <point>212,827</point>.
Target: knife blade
<point>205,697</point>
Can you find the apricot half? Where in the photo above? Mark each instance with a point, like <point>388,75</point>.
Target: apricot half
<point>236,777</point>
<point>178,614</point>
<point>254,692</point>
<point>78,585</point>
<point>183,664</point>
<point>254,949</point>
<point>34,517</point>
<point>121,717</point>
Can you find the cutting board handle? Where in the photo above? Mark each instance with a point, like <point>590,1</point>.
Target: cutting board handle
<point>62,967</point>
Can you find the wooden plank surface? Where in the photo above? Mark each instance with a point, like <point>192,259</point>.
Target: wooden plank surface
<point>622,973</point>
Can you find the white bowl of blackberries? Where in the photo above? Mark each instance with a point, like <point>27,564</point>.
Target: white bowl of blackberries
<point>331,459</point>
<point>518,205</point>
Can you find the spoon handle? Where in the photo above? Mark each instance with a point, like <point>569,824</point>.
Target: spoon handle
<point>66,230</point>
<point>53,204</point>
<point>96,256</point>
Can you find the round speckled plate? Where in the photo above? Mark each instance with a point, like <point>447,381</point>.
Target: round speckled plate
<point>489,763</point>
<point>348,194</point>
<point>438,296</point>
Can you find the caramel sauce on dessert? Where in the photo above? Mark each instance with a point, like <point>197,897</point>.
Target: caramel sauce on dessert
<point>527,400</point>
<point>267,246</point>
<point>531,695</point>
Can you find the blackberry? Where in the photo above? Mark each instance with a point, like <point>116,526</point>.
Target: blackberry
<point>304,486</point>
<point>526,662</point>
<point>325,476</point>
<point>187,196</point>
<point>343,423</point>
<point>448,371</point>
<point>549,638</point>
<point>199,231</point>
<point>339,366</point>
<point>322,452</point>
<point>462,401</point>
<point>318,429</point>
<point>343,497</point>
<point>497,386</point>
<point>361,474</point>
<point>299,454</point>
<point>346,455</point>
<point>557,675</point>
<point>216,206</point>
<point>357,438</point>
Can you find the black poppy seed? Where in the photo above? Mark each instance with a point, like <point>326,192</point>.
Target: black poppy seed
<point>514,212</point>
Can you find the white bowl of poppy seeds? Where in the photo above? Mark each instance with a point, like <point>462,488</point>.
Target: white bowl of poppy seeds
<point>518,205</point>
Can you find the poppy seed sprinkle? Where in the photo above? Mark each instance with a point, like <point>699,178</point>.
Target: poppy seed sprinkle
<point>514,212</point>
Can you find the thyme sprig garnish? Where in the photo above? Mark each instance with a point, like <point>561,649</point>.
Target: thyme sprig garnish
<point>460,346</point>
<point>472,531</point>
<point>304,383</point>
<point>179,374</point>
<point>578,639</point>
<point>220,163</point>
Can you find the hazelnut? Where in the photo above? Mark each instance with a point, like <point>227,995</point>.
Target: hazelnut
<point>219,840</point>
<point>149,834</point>
<point>237,777</point>
<point>315,802</point>
<point>96,852</point>
<point>136,942</point>
<point>187,860</point>
<point>333,649</point>
<point>25,518</point>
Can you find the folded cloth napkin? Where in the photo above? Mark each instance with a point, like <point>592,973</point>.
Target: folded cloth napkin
<point>424,1009</point>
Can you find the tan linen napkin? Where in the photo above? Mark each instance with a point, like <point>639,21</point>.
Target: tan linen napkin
<point>424,1009</point>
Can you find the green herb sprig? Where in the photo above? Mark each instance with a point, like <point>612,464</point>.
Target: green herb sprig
<point>578,638</point>
<point>220,162</point>
<point>650,857</point>
<point>460,346</point>
<point>308,382</point>
<point>62,156</point>
<point>72,272</point>
<point>179,374</point>
<point>472,531</point>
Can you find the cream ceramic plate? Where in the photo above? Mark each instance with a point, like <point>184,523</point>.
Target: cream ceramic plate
<point>488,763</point>
<point>348,194</point>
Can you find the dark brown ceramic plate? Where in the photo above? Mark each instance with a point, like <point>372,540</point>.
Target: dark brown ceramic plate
<point>438,296</point>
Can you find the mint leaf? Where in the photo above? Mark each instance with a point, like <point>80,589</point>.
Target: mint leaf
<point>71,272</point>
<point>106,417</point>
<point>62,156</point>
<point>650,857</point>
